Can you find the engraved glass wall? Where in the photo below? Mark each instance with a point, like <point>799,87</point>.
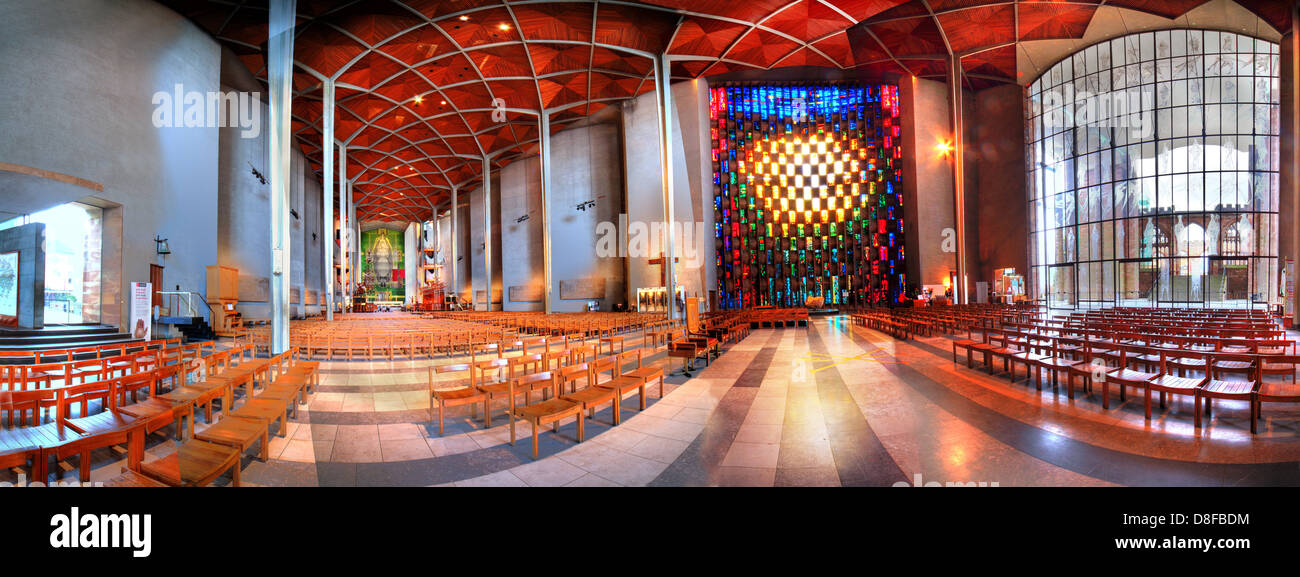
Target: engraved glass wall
<point>1152,163</point>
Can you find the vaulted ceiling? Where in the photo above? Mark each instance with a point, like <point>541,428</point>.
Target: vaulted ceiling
<point>416,80</point>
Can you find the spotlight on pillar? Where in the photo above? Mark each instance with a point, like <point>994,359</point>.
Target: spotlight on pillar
<point>944,148</point>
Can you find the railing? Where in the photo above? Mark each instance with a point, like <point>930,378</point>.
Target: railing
<point>182,304</point>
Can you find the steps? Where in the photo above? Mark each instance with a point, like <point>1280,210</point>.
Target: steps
<point>193,328</point>
<point>61,337</point>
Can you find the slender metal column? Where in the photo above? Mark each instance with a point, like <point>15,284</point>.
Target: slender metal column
<point>664,96</point>
<point>280,76</point>
<point>344,253</point>
<point>487,229</point>
<point>958,173</point>
<point>455,243</point>
<point>544,126</point>
<point>327,198</point>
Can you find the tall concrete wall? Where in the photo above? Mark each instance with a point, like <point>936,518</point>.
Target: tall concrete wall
<point>475,217</point>
<point>521,263</point>
<point>998,144</point>
<point>927,181</point>
<point>692,171</point>
<point>77,98</point>
<point>586,165</point>
<point>28,241</point>
<point>244,213</point>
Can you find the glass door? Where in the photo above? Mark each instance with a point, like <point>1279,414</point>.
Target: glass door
<point>1061,287</point>
<point>1228,282</point>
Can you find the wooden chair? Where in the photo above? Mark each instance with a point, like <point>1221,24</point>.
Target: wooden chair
<point>195,463</point>
<point>156,411</point>
<point>566,377</point>
<point>503,388</point>
<point>454,396</point>
<point>1125,377</point>
<point>1166,382</point>
<point>240,433</point>
<point>548,412</point>
<point>1215,387</point>
<point>1273,392</point>
<point>646,373</point>
<point>623,384</point>
<point>1232,362</point>
<point>106,428</point>
<point>593,396</point>
<point>22,440</point>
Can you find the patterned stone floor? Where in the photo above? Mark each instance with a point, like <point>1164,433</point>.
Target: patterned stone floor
<point>829,405</point>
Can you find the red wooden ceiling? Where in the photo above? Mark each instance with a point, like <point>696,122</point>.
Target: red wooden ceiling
<point>575,57</point>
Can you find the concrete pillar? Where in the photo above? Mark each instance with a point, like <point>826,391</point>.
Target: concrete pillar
<point>544,126</point>
<point>664,97</point>
<point>283,14</point>
<point>958,173</point>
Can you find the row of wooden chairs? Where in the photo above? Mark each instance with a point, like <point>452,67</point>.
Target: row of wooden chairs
<point>29,441</point>
<point>1118,361</point>
<point>553,375</point>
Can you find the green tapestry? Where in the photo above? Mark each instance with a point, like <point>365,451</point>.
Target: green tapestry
<point>383,266</point>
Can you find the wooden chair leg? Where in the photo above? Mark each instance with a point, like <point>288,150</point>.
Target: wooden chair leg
<point>1197,409</point>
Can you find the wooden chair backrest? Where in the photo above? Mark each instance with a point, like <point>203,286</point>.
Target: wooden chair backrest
<point>83,394</point>
<point>573,372</point>
<point>627,357</point>
<point>453,368</point>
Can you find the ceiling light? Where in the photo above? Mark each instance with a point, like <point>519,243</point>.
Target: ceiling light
<point>504,26</point>
<point>418,99</point>
<point>464,18</point>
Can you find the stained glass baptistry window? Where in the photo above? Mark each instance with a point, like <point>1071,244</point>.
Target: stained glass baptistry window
<point>807,194</point>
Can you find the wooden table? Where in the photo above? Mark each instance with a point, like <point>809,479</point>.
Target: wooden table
<point>195,464</point>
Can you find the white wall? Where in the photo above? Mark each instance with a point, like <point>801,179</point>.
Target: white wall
<point>692,187</point>
<point>77,78</point>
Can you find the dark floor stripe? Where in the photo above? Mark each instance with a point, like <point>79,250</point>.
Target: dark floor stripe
<point>860,459</point>
<point>698,464</point>
<point>1078,456</point>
